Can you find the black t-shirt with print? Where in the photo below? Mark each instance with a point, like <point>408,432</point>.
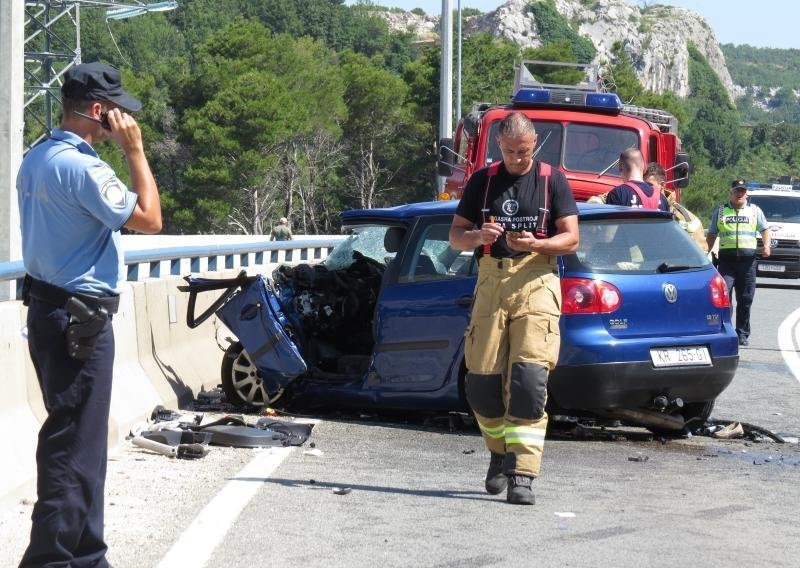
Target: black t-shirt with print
<point>513,201</point>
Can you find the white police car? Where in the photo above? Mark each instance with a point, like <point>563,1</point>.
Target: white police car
<point>780,203</point>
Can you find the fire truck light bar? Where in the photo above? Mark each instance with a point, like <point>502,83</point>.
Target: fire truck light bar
<point>603,100</point>
<point>528,96</point>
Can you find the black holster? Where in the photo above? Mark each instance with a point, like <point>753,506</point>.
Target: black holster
<point>85,325</point>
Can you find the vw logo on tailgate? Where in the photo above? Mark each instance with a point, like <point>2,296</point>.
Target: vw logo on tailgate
<point>670,293</point>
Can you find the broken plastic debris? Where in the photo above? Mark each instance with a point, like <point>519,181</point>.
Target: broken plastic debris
<point>565,514</point>
<point>729,432</point>
<point>467,451</point>
<point>313,452</point>
<point>638,458</point>
<point>341,490</point>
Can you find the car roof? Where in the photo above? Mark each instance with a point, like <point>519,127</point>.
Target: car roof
<point>402,214</point>
<point>773,192</point>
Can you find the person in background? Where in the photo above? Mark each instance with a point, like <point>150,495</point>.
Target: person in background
<point>281,231</point>
<point>737,223</point>
<point>72,207</point>
<point>635,192</point>
<point>656,176</point>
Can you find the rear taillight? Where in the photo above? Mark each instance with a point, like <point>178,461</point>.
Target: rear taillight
<point>719,292</point>
<point>585,296</point>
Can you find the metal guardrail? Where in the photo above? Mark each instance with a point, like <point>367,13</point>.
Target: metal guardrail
<point>174,261</point>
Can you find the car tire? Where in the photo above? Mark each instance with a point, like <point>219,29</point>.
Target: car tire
<point>241,380</point>
<point>696,413</point>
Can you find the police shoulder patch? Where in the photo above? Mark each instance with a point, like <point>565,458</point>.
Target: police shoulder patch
<point>113,192</point>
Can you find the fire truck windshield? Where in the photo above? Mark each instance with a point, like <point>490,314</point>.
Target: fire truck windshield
<point>580,147</point>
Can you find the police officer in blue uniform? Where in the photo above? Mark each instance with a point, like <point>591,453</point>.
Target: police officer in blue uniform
<point>72,207</point>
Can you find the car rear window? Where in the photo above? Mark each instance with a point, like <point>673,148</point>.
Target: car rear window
<point>637,246</point>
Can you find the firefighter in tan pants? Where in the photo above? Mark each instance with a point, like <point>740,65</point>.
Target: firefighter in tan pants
<point>518,215</point>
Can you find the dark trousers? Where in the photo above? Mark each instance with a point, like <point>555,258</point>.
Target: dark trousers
<point>71,456</point>
<point>740,274</point>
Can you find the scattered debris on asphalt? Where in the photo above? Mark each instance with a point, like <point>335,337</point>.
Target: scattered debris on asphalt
<point>313,452</point>
<point>341,490</point>
<point>565,514</point>
<point>467,451</point>
<point>732,429</point>
<point>639,458</point>
<point>187,436</point>
<point>180,451</point>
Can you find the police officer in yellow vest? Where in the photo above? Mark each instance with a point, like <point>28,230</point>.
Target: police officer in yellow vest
<point>518,215</point>
<point>737,223</point>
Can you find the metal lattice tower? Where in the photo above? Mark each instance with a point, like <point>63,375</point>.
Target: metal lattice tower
<point>53,45</point>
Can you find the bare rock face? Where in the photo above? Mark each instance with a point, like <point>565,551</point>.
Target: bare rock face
<point>655,38</point>
<point>425,27</point>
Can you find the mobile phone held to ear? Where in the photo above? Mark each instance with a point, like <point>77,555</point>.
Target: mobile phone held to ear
<point>103,121</point>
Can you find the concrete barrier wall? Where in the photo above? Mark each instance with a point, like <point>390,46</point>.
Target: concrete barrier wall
<point>159,360</point>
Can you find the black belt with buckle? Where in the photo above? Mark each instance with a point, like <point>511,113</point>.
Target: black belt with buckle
<point>59,297</point>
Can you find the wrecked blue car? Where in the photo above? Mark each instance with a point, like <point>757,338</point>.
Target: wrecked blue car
<point>646,331</point>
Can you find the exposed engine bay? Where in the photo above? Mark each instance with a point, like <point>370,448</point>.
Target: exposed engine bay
<point>332,312</point>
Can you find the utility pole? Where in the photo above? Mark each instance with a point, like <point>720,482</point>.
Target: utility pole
<point>11,125</point>
<point>458,68</point>
<point>446,78</point>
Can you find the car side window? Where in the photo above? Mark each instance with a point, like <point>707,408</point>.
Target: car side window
<point>432,258</point>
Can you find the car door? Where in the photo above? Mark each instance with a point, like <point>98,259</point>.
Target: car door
<point>423,311</point>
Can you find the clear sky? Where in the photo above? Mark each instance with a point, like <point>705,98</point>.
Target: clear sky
<point>761,23</point>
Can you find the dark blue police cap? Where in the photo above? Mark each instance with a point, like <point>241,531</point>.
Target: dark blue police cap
<point>738,184</point>
<point>97,82</point>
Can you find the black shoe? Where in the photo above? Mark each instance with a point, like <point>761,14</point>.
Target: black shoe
<point>519,490</point>
<point>743,340</point>
<point>496,480</point>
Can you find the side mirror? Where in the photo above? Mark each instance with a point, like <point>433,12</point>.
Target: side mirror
<point>447,157</point>
<point>682,169</point>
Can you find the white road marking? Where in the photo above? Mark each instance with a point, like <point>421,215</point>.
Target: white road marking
<point>197,543</point>
<point>789,342</point>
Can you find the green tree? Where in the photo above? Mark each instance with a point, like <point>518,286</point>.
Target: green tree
<point>251,89</point>
<point>714,133</point>
<point>554,28</point>
<point>377,118</point>
<point>487,69</point>
<point>556,51</point>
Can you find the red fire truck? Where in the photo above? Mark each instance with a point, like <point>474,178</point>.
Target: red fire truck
<point>581,130</point>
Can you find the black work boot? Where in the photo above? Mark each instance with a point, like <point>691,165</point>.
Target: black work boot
<point>496,480</point>
<point>519,490</point>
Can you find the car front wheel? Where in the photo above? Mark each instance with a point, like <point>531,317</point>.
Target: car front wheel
<point>242,381</point>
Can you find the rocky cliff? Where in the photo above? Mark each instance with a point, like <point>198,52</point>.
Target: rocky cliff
<point>655,37</point>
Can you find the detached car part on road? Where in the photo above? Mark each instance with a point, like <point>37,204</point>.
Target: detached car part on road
<point>646,334</point>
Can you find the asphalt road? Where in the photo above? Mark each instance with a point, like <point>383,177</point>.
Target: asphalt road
<point>416,495</point>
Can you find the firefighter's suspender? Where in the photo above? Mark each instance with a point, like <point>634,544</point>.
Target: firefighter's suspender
<point>545,171</point>
<point>544,199</point>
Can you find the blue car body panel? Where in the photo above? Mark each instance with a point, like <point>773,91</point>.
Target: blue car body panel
<point>256,317</point>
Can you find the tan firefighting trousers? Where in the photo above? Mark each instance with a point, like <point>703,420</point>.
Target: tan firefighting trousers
<point>511,345</point>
